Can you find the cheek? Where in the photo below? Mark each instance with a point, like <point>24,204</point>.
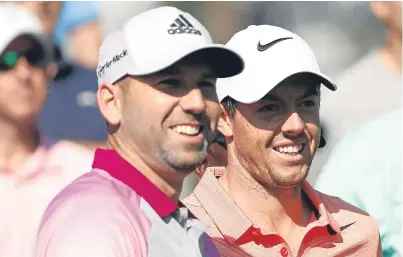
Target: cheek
<point>146,110</point>
<point>313,130</point>
<point>138,127</point>
<point>249,139</point>
<point>7,84</point>
<point>135,118</point>
<point>158,99</point>
<point>40,82</point>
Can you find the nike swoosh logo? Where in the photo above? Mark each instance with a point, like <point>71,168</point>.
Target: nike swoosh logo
<point>346,226</point>
<point>262,48</point>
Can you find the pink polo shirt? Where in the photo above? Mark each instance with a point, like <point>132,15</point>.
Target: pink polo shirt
<point>115,211</point>
<point>25,194</point>
<point>336,230</point>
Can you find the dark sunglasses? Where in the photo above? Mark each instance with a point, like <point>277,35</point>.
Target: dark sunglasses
<point>35,56</point>
<point>220,139</point>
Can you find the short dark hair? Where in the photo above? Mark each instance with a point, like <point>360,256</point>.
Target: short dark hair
<point>229,105</point>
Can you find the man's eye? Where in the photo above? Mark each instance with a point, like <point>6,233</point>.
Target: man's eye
<point>170,82</point>
<point>204,84</point>
<point>269,108</point>
<point>308,103</point>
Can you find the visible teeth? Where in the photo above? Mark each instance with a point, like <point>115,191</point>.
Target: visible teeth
<point>188,130</point>
<point>289,149</point>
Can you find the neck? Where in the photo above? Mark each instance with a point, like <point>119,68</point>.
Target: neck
<point>18,142</point>
<point>391,52</point>
<point>272,209</point>
<point>171,188</point>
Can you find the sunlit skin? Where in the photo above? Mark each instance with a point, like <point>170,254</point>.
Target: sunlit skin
<point>143,113</point>
<point>288,115</point>
<point>265,183</point>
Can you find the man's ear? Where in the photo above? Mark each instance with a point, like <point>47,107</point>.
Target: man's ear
<point>109,103</point>
<point>224,123</point>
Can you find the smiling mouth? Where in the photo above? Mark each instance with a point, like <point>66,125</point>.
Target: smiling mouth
<point>188,130</point>
<point>290,150</point>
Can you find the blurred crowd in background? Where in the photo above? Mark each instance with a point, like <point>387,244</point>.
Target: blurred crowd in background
<point>340,34</point>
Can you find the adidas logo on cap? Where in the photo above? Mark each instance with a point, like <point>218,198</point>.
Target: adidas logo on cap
<point>182,25</point>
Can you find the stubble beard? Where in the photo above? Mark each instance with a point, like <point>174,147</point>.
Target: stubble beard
<point>178,160</point>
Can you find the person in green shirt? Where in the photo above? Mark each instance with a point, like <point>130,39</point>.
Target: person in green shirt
<point>365,169</point>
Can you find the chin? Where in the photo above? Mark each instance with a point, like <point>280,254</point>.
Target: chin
<point>187,163</point>
<point>287,177</point>
<point>25,118</point>
<point>287,185</point>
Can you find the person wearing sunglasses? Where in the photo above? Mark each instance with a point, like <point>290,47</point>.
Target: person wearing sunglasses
<point>32,168</point>
<point>216,155</point>
<point>71,98</point>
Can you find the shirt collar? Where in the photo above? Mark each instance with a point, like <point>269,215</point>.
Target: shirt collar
<point>214,199</point>
<point>110,161</point>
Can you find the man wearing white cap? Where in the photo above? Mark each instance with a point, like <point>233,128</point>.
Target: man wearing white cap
<point>157,94</point>
<point>261,204</point>
<point>33,169</point>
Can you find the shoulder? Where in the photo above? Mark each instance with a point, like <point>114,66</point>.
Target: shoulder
<point>72,157</point>
<point>92,189</point>
<point>390,121</point>
<point>90,217</point>
<point>74,150</point>
<point>352,220</point>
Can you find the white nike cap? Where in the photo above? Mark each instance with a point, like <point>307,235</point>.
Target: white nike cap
<point>271,54</point>
<point>17,21</point>
<point>158,38</point>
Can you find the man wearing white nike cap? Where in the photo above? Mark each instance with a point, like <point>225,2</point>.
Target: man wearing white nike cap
<point>157,94</point>
<point>261,204</point>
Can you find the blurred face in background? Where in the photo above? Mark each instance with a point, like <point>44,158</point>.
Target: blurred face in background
<point>390,13</point>
<point>48,13</point>
<point>216,155</point>
<point>23,80</point>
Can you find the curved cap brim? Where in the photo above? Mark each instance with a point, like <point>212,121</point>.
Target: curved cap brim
<point>255,91</point>
<point>225,62</point>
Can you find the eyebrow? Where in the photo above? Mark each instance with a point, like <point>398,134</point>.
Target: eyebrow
<point>312,91</point>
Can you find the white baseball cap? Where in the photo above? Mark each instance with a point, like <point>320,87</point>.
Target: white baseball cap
<point>158,38</point>
<point>271,54</point>
<point>17,21</point>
